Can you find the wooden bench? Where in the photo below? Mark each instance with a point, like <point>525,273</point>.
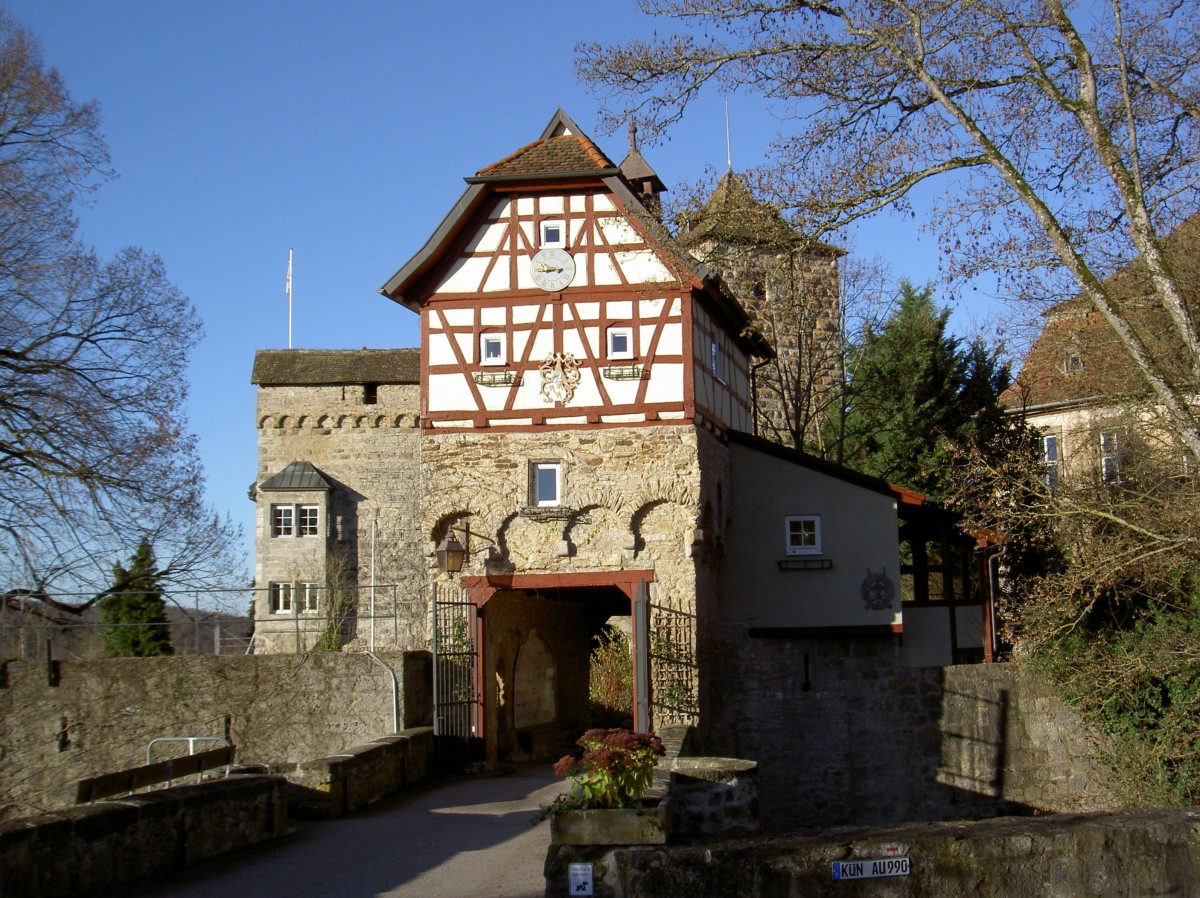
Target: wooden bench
<point>125,782</point>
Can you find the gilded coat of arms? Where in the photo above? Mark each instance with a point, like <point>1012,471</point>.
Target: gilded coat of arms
<point>560,377</point>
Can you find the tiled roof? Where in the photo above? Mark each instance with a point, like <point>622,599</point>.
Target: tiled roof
<point>299,475</point>
<point>733,214</point>
<point>562,154</point>
<point>1078,355</point>
<point>273,367</point>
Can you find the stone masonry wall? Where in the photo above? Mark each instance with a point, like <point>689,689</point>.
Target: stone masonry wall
<point>869,741</point>
<point>630,499</point>
<point>282,709</point>
<point>371,454</point>
<point>85,849</point>
<point>1127,853</point>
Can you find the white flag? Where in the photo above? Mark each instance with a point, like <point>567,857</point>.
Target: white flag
<point>288,285</point>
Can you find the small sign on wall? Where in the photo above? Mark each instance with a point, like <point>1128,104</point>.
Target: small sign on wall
<point>579,879</point>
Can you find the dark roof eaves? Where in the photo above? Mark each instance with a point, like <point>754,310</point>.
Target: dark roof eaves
<point>448,227</point>
<point>820,465</point>
<point>724,301</point>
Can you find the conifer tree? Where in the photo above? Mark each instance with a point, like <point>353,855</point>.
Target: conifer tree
<point>914,391</point>
<point>134,613</point>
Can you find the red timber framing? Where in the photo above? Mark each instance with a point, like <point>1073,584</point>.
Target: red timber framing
<point>480,589</point>
<point>557,314</point>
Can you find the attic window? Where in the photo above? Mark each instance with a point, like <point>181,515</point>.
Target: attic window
<point>1073,362</point>
<point>491,349</point>
<point>620,342</point>
<point>554,235</point>
<point>370,394</point>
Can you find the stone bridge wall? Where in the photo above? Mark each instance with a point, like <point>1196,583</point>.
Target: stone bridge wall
<point>281,710</point>
<point>82,849</point>
<point>1133,853</point>
<point>870,742</point>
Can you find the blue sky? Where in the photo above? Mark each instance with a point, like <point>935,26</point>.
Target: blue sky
<point>343,131</point>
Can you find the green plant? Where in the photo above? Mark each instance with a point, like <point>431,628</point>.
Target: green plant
<point>613,770</point>
<point>610,684</point>
<point>134,614</point>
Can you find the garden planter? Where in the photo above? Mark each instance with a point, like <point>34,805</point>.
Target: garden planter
<point>612,826</point>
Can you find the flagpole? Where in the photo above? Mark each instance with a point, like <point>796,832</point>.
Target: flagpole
<point>289,295</point>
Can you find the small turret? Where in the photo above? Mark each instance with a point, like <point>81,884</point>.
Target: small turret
<point>641,177</point>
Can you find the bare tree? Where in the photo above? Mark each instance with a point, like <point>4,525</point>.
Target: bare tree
<point>1068,131</point>
<point>807,298</point>
<point>94,455</point>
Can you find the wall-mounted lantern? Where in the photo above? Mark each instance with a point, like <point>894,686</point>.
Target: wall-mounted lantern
<point>450,555</point>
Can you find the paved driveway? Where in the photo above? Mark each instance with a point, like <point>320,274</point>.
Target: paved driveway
<point>467,837</point>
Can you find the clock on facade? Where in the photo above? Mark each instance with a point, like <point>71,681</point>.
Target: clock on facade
<point>552,269</point>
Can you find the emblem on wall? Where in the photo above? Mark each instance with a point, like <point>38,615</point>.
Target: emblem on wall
<point>560,377</point>
<point>878,591</point>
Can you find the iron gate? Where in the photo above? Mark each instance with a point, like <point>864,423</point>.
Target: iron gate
<point>665,664</point>
<point>455,695</point>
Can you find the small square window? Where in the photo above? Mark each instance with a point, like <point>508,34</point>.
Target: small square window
<point>554,234</point>
<point>370,394</point>
<point>309,516</point>
<point>803,535</point>
<point>491,349</point>
<point>546,484</point>
<point>283,521</point>
<point>620,342</point>
<point>281,598</point>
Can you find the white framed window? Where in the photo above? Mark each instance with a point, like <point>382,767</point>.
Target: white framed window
<point>545,484</point>
<point>283,520</point>
<point>281,598</point>
<point>1072,362</point>
<point>803,534</point>
<point>620,342</point>
<point>308,598</point>
<point>554,234</point>
<point>491,350</point>
<point>309,516</point>
<point>1112,454</point>
<point>1050,459</point>
<point>295,520</point>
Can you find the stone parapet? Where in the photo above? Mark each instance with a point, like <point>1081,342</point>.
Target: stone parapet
<point>362,774</point>
<point>714,795</point>
<point>1137,852</point>
<point>91,847</point>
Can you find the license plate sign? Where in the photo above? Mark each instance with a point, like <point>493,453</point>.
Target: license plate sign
<point>870,869</point>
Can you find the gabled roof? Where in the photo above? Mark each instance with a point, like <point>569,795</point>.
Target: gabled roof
<point>299,475</point>
<point>300,367</point>
<point>564,145</point>
<point>562,152</point>
<point>1078,358</point>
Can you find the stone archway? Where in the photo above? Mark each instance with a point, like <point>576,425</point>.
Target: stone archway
<point>536,636</point>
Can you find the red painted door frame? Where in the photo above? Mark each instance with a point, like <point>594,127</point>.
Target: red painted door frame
<point>481,588</point>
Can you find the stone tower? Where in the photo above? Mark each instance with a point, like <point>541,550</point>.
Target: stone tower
<point>789,287</point>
